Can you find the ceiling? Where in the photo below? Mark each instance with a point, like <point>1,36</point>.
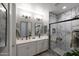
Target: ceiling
<point>54,7</point>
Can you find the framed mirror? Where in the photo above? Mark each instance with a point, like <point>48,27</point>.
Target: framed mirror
<point>3,25</point>
<point>38,28</point>
<point>23,29</point>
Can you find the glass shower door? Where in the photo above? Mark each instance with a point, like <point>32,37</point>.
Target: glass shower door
<point>60,37</point>
<point>53,35</point>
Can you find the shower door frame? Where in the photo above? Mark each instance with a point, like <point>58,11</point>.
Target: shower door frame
<point>57,23</point>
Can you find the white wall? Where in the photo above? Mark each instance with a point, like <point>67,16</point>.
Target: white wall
<point>33,10</point>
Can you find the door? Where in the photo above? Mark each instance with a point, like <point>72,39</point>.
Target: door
<point>60,37</point>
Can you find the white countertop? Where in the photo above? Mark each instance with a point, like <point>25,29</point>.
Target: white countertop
<point>20,41</point>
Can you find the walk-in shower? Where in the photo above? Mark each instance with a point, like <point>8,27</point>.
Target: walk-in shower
<point>64,35</point>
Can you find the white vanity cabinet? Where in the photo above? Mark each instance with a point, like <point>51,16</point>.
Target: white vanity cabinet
<point>32,48</point>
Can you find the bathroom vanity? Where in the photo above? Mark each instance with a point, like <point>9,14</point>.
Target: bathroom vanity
<point>31,35</point>
<point>31,46</point>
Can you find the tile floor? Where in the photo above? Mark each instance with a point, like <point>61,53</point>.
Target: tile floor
<point>48,53</point>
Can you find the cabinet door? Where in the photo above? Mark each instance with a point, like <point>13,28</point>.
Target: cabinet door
<point>32,50</point>
<point>20,51</point>
<point>45,45</point>
<point>28,49</point>
<point>39,46</point>
<point>23,50</point>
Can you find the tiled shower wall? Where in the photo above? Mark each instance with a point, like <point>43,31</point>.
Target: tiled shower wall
<point>63,29</point>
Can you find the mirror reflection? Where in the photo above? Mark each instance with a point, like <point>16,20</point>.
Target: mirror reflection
<point>3,27</point>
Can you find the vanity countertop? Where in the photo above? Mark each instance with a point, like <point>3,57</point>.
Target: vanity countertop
<point>20,41</point>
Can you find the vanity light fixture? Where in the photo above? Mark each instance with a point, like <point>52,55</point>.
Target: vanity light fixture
<point>64,7</point>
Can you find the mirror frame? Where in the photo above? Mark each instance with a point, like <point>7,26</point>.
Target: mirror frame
<point>41,28</point>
